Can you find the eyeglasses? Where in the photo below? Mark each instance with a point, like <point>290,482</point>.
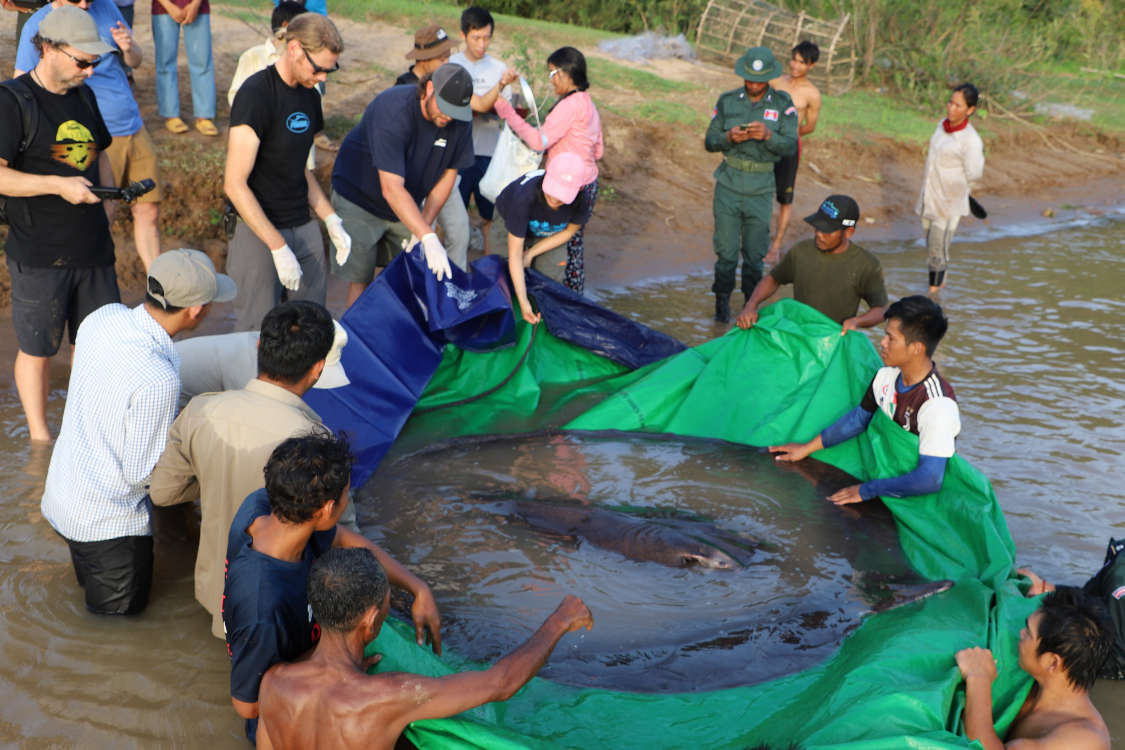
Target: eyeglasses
<point>551,75</point>
<point>76,2</point>
<point>82,64</point>
<point>316,68</point>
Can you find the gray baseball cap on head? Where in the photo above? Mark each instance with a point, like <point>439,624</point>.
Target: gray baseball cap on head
<point>73,26</point>
<point>187,278</point>
<point>453,87</point>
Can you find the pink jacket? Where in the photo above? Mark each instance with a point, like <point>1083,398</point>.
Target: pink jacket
<point>573,126</point>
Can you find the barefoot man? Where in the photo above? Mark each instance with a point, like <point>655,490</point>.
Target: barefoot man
<point>1062,646</point>
<point>806,98</point>
<point>325,699</point>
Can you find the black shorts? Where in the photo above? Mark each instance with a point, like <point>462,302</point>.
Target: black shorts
<point>785,175</point>
<point>116,573</point>
<point>46,299</point>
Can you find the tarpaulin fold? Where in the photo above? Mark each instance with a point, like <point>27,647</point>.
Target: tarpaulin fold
<point>892,684</point>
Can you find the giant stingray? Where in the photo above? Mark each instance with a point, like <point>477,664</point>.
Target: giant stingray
<point>706,564</point>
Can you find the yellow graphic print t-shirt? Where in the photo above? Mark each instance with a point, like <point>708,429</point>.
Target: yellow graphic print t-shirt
<point>75,146</point>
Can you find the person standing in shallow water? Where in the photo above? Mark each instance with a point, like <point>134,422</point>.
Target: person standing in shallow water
<point>752,126</point>
<point>955,161</point>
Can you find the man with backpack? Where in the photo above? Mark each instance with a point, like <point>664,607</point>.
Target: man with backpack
<point>59,250</point>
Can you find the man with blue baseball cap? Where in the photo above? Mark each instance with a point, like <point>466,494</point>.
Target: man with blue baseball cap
<point>752,126</point>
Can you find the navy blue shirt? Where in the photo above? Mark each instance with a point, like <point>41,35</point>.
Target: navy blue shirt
<point>525,209</point>
<point>394,137</point>
<point>266,614</point>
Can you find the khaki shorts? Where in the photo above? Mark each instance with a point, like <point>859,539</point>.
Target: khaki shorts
<point>132,159</point>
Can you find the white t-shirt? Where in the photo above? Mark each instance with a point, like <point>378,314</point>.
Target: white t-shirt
<point>486,73</point>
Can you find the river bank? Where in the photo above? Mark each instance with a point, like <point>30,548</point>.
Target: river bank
<point>654,215</point>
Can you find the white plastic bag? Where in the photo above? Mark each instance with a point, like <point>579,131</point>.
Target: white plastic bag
<point>513,158</point>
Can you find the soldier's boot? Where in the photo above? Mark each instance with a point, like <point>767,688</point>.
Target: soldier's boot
<point>722,308</point>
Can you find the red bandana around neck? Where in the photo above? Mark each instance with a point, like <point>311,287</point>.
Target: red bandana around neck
<point>954,128</point>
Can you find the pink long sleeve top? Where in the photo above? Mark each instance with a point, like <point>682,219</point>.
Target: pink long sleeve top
<point>573,126</point>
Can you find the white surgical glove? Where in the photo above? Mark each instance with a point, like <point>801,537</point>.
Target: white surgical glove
<point>436,257</point>
<point>288,269</point>
<point>341,239</point>
<point>409,244</point>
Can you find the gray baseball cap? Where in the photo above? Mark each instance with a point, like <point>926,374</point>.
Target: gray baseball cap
<point>73,26</point>
<point>188,278</point>
<point>453,87</point>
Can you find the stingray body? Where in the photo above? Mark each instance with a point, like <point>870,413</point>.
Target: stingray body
<point>675,540</point>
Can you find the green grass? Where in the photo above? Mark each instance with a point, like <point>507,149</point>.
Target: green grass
<point>338,126</point>
<point>661,110</point>
<point>603,72</point>
<point>863,111</point>
<point>416,14</point>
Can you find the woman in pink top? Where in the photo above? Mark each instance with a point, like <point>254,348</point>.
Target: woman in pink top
<point>572,126</point>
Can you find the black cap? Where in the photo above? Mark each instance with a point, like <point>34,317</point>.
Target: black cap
<point>454,89</point>
<point>836,213</point>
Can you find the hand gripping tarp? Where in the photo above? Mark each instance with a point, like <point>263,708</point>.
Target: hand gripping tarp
<point>892,684</point>
<point>397,332</point>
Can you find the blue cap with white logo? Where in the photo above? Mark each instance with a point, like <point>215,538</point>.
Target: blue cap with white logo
<point>836,213</point>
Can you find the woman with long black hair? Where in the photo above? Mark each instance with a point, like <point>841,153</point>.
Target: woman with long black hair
<point>572,126</point>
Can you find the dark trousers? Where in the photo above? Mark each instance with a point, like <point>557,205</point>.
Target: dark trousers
<point>116,573</point>
<point>742,225</point>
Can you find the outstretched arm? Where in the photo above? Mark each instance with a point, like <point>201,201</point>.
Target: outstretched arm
<point>424,612</point>
<point>430,698</point>
<point>924,480</point>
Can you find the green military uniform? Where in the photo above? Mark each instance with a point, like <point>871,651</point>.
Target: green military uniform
<point>745,184</point>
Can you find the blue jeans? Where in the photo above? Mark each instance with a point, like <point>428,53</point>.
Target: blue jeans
<point>197,44</point>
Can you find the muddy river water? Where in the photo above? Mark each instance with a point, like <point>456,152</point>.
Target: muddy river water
<point>1034,351</point>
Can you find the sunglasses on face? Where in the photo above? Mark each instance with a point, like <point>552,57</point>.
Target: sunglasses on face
<point>316,68</point>
<point>551,75</point>
<point>83,64</point>
<point>78,2</point>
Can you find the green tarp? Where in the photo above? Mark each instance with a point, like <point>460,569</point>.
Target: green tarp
<point>892,684</point>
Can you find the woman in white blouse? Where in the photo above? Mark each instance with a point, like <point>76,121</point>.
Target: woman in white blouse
<point>954,163</point>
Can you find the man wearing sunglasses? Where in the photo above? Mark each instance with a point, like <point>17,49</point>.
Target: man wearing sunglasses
<point>277,252</point>
<point>132,155</point>
<point>59,250</point>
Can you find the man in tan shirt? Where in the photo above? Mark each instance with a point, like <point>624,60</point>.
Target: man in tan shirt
<point>219,444</point>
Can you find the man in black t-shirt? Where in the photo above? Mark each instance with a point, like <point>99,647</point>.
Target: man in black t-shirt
<point>406,149</point>
<point>59,250</point>
<point>277,251</point>
<point>274,538</point>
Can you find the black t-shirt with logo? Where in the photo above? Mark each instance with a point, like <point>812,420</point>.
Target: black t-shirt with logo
<point>68,139</point>
<point>395,137</point>
<point>525,209</point>
<point>285,120</point>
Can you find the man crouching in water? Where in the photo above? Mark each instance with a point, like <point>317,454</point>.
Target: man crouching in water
<point>1062,646</point>
<point>324,698</point>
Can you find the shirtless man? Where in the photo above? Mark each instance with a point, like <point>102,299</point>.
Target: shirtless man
<point>1062,646</point>
<point>806,98</point>
<point>325,699</point>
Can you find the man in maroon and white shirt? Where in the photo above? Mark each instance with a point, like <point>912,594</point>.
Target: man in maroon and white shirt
<point>910,391</point>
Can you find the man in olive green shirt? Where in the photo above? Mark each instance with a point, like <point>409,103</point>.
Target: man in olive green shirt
<point>753,126</point>
<point>829,274</point>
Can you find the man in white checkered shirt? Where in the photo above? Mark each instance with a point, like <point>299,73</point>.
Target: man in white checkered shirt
<point>120,403</point>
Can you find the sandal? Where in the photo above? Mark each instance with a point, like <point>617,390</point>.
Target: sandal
<point>206,127</point>
<point>176,125</point>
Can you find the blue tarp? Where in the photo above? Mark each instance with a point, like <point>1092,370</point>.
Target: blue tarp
<point>398,329</point>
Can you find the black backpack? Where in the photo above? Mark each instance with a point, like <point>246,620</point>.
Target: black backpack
<point>29,114</point>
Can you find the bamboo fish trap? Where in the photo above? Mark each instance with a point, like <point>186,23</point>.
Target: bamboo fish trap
<point>729,27</point>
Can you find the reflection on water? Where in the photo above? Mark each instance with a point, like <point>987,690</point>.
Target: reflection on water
<point>1034,352</point>
<point>460,517</point>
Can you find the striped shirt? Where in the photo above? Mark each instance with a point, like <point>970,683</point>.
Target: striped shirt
<point>121,401</point>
